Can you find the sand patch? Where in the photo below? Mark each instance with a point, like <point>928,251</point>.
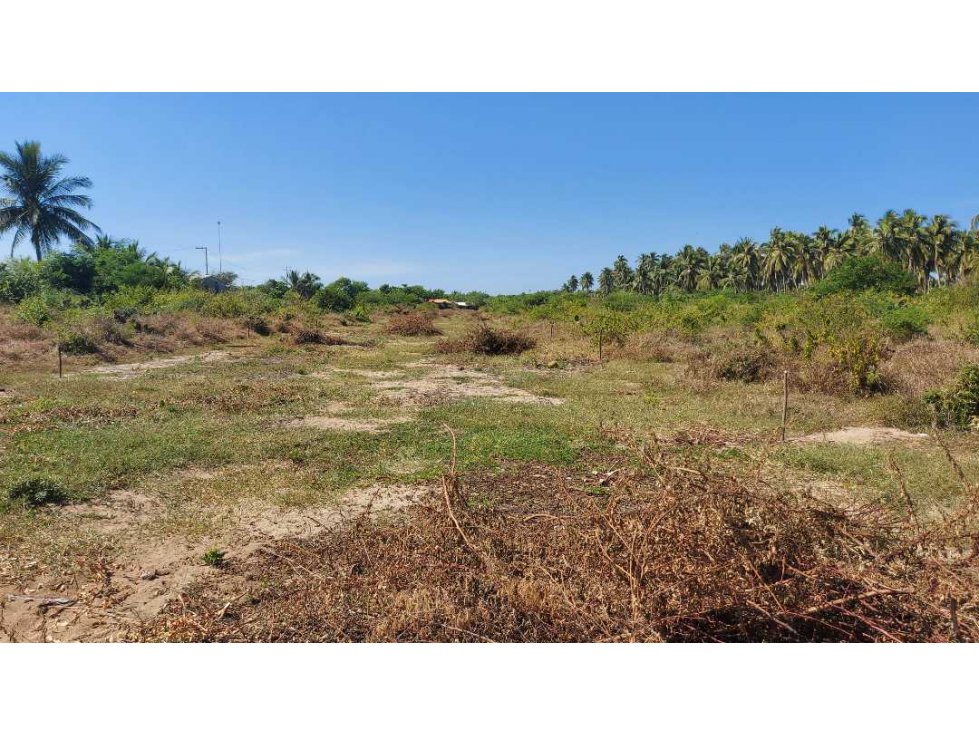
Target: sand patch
<point>152,572</point>
<point>862,436</point>
<point>444,383</point>
<point>353,425</point>
<point>126,371</point>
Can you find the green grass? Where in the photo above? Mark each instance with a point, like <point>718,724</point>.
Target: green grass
<point>203,438</point>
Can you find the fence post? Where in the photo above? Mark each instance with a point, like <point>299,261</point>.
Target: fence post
<point>785,401</point>
<point>60,371</point>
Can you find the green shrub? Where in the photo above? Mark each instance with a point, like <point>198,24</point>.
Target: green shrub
<point>904,323</point>
<point>970,328</point>
<point>858,356</point>
<point>19,279</point>
<point>865,273</point>
<point>34,310</point>
<point>958,404</point>
<point>75,342</point>
<point>38,491</point>
<point>332,298</point>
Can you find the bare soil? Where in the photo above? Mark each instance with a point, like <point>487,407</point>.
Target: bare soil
<point>131,588</point>
<point>131,369</point>
<point>862,436</point>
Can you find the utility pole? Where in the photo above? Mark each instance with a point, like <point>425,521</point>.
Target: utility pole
<point>220,264</point>
<point>206,273</point>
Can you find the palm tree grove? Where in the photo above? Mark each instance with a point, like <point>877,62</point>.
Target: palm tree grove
<point>934,250</point>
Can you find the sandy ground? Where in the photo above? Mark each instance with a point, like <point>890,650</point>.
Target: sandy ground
<point>862,436</point>
<point>151,572</point>
<point>442,383</point>
<point>131,369</point>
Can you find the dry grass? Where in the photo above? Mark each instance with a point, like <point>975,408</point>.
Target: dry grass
<point>20,342</point>
<point>660,550</point>
<point>483,339</point>
<point>925,364</point>
<point>413,323</point>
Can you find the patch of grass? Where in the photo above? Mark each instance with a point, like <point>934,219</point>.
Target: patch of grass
<point>38,491</point>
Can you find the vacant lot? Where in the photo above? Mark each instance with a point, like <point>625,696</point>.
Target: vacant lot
<point>232,491</point>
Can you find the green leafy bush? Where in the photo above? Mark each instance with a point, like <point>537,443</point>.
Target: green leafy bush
<point>19,279</point>
<point>865,273</point>
<point>958,404</point>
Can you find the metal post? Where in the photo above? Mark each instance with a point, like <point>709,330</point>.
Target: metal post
<point>206,271</point>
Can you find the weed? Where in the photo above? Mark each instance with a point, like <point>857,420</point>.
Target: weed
<point>214,557</point>
<point>38,491</point>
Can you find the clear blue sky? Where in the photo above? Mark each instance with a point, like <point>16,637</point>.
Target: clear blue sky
<point>502,193</point>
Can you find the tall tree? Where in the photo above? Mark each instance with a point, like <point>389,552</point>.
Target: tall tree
<point>747,258</point>
<point>621,272</point>
<point>940,239</point>
<point>778,260</point>
<point>587,282</point>
<point>606,281</point>
<point>305,285</point>
<point>41,205</point>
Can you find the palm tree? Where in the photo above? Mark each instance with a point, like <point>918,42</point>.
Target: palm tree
<point>304,285</point>
<point>916,253</point>
<point>41,205</point>
<point>887,242</point>
<point>778,259</point>
<point>747,258</point>
<point>572,285</point>
<point>643,280</point>
<point>825,241</point>
<point>940,237</point>
<point>606,281</point>
<point>621,272</point>
<point>587,282</point>
<point>861,236</point>
<point>712,274</point>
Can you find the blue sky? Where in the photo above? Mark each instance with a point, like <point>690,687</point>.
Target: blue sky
<point>496,192</point>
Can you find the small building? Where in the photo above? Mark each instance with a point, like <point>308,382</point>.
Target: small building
<point>446,303</point>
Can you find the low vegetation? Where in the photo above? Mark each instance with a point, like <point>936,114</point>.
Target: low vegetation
<point>614,468</point>
<point>486,340</point>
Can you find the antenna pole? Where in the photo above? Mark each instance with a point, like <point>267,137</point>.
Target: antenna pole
<point>220,264</point>
<point>206,271</point>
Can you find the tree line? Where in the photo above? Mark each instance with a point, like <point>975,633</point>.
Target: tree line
<point>934,250</point>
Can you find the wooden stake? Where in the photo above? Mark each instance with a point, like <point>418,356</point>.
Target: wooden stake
<point>600,347</point>
<point>785,401</point>
<point>60,371</point>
